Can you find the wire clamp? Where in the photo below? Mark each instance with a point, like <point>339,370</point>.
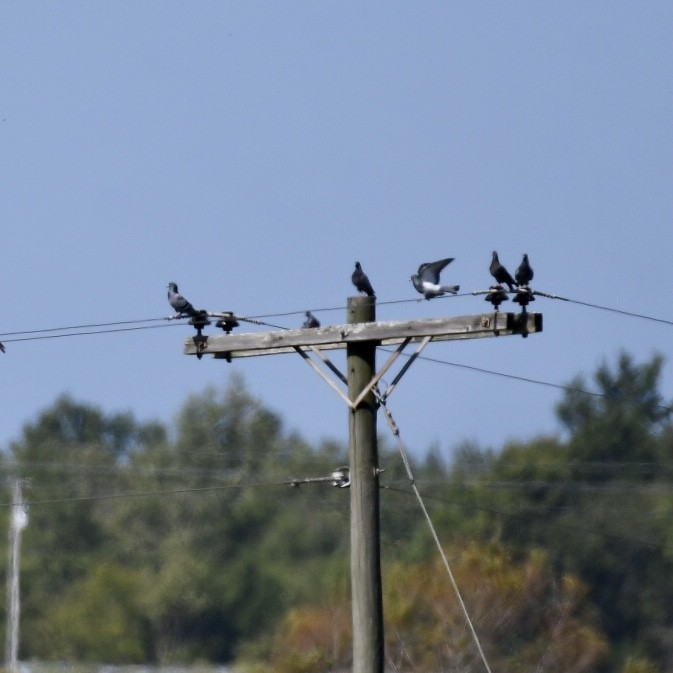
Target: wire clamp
<point>341,477</point>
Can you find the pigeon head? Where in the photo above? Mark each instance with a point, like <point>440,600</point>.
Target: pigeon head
<point>172,287</point>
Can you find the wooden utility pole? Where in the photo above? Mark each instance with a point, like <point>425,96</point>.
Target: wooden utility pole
<point>367,602</point>
<point>360,337</point>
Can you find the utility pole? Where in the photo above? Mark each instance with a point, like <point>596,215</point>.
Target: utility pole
<point>367,601</point>
<point>360,337</point>
<point>18,521</point>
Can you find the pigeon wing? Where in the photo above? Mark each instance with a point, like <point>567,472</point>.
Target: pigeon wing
<point>429,271</point>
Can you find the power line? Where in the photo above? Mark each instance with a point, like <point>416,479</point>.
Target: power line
<point>517,377</point>
<point>87,326</point>
<point>258,318</point>
<point>44,333</point>
<point>605,308</point>
<point>612,486</point>
<point>88,333</point>
<point>178,491</point>
<point>529,514</point>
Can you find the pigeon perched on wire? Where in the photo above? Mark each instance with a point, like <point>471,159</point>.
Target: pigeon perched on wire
<point>361,281</point>
<point>524,272</point>
<point>426,280</point>
<point>500,273</point>
<point>311,321</point>
<point>179,303</point>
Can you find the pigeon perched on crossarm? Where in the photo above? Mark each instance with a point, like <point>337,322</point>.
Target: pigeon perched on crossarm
<point>178,302</point>
<point>500,273</point>
<point>426,280</point>
<point>311,321</point>
<point>361,282</point>
<point>524,272</point>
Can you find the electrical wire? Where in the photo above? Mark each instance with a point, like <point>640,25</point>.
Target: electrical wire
<point>517,377</point>
<point>258,318</point>
<point>529,514</point>
<point>87,326</point>
<point>178,491</point>
<point>71,334</point>
<point>139,324</point>
<point>394,428</point>
<point>605,308</point>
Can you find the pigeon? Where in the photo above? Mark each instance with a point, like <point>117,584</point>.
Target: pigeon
<point>500,273</point>
<point>524,273</point>
<point>426,281</point>
<point>311,321</point>
<point>361,281</point>
<point>178,302</point>
<point>2,347</point>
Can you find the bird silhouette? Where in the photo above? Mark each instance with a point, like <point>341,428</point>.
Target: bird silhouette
<point>2,347</point>
<point>361,282</point>
<point>178,302</point>
<point>426,280</point>
<point>311,321</point>
<point>524,272</point>
<point>500,273</point>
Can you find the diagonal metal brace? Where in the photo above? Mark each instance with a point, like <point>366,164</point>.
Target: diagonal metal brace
<point>377,377</point>
<point>321,374</point>
<point>330,365</point>
<point>386,394</point>
<point>373,384</point>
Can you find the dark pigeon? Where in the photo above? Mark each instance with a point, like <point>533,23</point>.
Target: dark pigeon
<point>426,281</point>
<point>361,281</point>
<point>311,321</point>
<point>524,273</point>
<point>178,302</point>
<point>500,273</point>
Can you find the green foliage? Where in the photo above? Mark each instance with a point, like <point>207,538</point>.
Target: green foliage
<point>174,545</point>
<point>100,618</point>
<point>198,555</point>
<point>620,421</point>
<point>526,619</point>
<point>633,665</point>
<point>590,502</point>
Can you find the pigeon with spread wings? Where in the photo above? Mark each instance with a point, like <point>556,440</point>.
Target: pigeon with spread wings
<point>426,280</point>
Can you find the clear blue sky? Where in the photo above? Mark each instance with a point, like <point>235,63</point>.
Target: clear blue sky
<point>252,151</point>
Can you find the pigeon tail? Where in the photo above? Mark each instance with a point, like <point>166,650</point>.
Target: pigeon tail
<point>451,289</point>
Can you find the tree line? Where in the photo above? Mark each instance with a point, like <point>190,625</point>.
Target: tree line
<point>207,540</point>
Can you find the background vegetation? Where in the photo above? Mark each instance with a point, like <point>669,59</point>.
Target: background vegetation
<point>189,543</point>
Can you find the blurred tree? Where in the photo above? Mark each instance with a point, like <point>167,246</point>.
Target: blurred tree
<point>68,458</point>
<point>220,550</point>
<point>100,618</point>
<point>590,501</point>
<point>617,422</point>
<point>526,618</point>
